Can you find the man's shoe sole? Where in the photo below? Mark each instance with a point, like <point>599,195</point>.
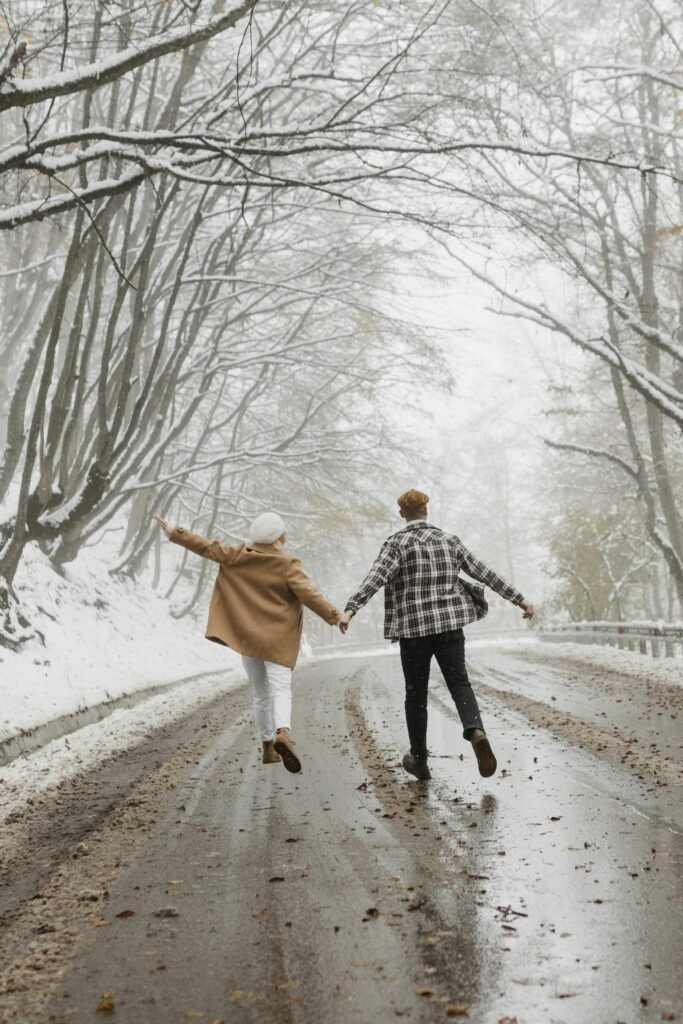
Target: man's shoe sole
<point>289,758</point>
<point>422,774</point>
<point>485,757</point>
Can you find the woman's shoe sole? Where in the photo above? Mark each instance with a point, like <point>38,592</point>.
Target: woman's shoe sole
<point>485,757</point>
<point>289,758</point>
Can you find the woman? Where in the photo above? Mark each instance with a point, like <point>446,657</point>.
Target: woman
<point>256,609</point>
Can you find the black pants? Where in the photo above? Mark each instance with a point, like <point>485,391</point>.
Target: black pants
<point>416,656</point>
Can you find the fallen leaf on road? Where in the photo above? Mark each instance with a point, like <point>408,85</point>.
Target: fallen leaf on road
<point>106,1003</point>
<point>166,912</point>
<point>243,997</point>
<point>423,990</point>
<point>372,912</point>
<point>277,878</point>
<point>457,1009</point>
<point>126,913</point>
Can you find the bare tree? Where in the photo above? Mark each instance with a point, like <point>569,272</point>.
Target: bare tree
<point>607,237</point>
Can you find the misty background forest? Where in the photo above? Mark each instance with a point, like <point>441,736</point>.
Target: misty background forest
<point>303,256</point>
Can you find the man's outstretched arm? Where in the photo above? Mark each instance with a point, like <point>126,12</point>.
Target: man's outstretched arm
<point>477,569</point>
<point>385,567</point>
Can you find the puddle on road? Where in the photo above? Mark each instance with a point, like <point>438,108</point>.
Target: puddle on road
<point>598,884</point>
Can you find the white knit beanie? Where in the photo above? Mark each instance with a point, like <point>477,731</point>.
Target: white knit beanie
<point>266,528</point>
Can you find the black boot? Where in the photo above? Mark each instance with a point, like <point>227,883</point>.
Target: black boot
<point>417,765</point>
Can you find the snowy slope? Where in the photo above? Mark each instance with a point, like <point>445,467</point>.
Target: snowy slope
<point>103,637</point>
<point>629,663</point>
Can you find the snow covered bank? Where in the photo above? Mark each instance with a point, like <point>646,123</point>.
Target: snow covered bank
<point>27,778</point>
<point>103,638</point>
<point>627,663</point>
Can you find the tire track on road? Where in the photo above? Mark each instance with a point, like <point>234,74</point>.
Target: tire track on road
<point>60,858</point>
<point>619,751</point>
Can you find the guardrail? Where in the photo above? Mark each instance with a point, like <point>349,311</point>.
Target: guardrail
<point>654,638</point>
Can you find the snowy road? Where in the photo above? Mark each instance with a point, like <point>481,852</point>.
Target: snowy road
<point>182,880</point>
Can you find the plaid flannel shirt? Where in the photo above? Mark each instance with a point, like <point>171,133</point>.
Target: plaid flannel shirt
<point>423,594</point>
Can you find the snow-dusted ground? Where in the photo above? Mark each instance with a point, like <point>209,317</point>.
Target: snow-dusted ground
<point>103,637</point>
<point>106,637</point>
<point>628,663</point>
<point>26,778</point>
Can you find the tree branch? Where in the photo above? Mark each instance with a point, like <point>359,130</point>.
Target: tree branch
<point>23,93</point>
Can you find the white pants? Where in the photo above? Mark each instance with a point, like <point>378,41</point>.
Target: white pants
<point>272,688</point>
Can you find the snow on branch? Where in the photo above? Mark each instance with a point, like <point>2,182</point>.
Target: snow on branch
<point>39,209</point>
<point>22,93</point>
<point>633,71</point>
<point>652,388</point>
<point>593,453</point>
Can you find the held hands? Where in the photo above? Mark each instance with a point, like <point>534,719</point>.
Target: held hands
<point>528,610</point>
<point>344,621</point>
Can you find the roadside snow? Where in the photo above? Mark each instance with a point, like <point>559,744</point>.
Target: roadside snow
<point>628,663</point>
<point>104,638</point>
<point>81,751</point>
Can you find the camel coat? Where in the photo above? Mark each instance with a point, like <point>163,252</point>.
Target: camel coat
<point>257,602</point>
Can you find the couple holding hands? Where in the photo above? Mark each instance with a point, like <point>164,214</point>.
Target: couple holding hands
<point>257,609</point>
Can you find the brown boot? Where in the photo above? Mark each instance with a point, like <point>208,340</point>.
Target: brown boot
<point>417,766</point>
<point>270,754</point>
<point>284,745</point>
<point>485,756</point>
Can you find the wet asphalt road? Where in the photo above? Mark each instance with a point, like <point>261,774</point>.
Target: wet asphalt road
<point>213,888</point>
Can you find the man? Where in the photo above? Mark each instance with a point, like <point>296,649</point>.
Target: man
<point>426,604</point>
<point>256,609</point>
